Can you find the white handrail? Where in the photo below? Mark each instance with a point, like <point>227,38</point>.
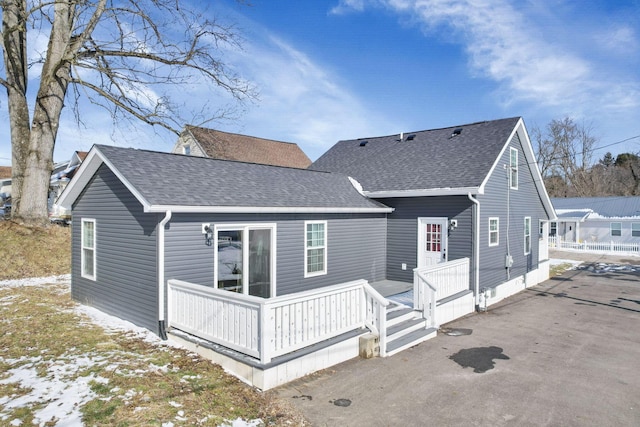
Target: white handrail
<point>267,328</point>
<point>376,316</point>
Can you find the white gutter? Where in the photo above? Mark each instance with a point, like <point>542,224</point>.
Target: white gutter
<point>426,192</point>
<point>161,285</point>
<point>476,250</point>
<point>262,209</point>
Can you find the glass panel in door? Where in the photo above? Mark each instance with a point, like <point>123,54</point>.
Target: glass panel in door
<point>230,266</point>
<point>260,263</point>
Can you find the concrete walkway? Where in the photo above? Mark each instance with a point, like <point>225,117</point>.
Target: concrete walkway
<point>564,353</point>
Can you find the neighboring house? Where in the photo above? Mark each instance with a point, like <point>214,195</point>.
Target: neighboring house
<point>60,177</point>
<point>215,144</point>
<point>5,172</point>
<point>5,181</point>
<point>597,219</point>
<point>276,272</point>
<point>471,191</point>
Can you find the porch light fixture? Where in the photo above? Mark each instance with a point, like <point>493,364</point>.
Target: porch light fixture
<point>208,235</point>
<point>453,224</point>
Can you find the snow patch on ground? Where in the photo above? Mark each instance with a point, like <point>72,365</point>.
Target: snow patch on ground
<point>61,387</point>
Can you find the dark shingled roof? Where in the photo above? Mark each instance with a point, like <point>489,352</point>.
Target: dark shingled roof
<point>164,179</point>
<point>453,157</point>
<point>231,146</point>
<point>612,207</point>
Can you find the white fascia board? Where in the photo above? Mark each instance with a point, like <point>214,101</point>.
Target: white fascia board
<point>89,167</point>
<point>86,171</point>
<point>532,163</point>
<point>427,192</point>
<point>261,209</point>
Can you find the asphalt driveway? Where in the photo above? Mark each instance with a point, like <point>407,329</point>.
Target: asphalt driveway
<point>563,353</point>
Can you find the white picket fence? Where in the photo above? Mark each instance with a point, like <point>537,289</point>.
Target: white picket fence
<point>268,328</point>
<point>437,282</point>
<point>587,246</point>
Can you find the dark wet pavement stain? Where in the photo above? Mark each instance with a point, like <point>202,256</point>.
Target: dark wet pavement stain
<point>341,402</point>
<point>481,359</point>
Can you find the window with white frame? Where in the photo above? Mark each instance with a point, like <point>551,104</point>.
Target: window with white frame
<point>513,168</point>
<point>315,248</point>
<point>553,228</point>
<point>635,229</point>
<point>186,149</point>
<point>527,235</point>
<point>494,236</point>
<point>88,248</point>
<point>616,229</point>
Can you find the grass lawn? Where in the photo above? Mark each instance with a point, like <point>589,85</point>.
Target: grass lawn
<point>63,363</point>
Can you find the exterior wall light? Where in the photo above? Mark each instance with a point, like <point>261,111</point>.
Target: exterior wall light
<point>208,235</point>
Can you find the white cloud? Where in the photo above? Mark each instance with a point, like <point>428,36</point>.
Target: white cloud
<point>306,103</point>
<point>509,47</point>
<point>346,6</point>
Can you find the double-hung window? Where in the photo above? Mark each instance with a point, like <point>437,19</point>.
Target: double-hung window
<point>513,168</point>
<point>527,235</point>
<point>88,250</point>
<point>635,229</point>
<point>494,231</point>
<point>616,229</point>
<point>315,248</point>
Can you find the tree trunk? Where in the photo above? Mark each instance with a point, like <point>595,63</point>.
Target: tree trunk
<point>54,80</point>
<point>15,61</point>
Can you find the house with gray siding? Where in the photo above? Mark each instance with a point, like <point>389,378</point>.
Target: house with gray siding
<point>614,219</point>
<point>471,191</point>
<point>275,272</point>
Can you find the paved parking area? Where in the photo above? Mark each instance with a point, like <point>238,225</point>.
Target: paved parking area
<point>564,353</point>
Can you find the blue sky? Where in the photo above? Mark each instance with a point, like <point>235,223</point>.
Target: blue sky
<point>341,69</point>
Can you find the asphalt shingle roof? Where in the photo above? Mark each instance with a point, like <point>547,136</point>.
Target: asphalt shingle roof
<point>180,180</point>
<point>431,159</point>
<point>612,207</point>
<point>231,146</point>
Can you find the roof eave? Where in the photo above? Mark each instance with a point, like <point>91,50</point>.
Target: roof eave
<point>424,192</point>
<point>264,209</point>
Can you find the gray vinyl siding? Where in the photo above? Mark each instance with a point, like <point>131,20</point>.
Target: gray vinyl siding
<point>402,230</point>
<point>511,207</point>
<point>126,267</point>
<point>356,248</point>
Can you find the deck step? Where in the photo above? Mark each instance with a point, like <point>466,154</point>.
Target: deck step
<point>400,329</point>
<point>409,340</point>
<point>399,315</point>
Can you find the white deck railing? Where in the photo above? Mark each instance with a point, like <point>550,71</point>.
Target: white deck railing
<point>437,282</point>
<point>268,328</point>
<point>558,243</point>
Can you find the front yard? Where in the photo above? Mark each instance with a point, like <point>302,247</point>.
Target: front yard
<point>66,364</point>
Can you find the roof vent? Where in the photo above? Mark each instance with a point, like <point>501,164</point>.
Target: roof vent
<point>410,137</point>
<point>363,143</point>
<point>456,132</point>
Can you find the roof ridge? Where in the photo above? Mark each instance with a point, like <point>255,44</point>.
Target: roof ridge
<point>435,129</point>
<point>241,134</point>
<point>213,159</point>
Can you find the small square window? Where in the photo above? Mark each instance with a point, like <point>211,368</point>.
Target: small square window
<point>616,229</point>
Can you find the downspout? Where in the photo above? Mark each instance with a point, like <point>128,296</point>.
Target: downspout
<point>476,252</point>
<point>161,297</point>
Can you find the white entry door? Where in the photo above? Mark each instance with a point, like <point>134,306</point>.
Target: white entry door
<point>432,241</point>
